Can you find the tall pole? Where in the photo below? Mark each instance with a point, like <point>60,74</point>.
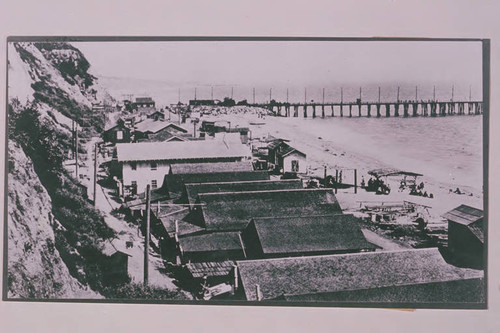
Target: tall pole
<point>179,93</point>
<point>73,138</point>
<point>355,180</point>
<point>434,98</point>
<point>323,95</point>
<point>379,94</point>
<point>470,93</point>
<point>253,95</point>
<point>341,95</point>
<point>76,151</point>
<point>398,94</point>
<point>360,94</point>
<point>95,174</point>
<point>195,93</point>
<point>452,92</point>
<point>270,94</point>
<point>416,93</point>
<point>287,95</point>
<point>212,93</point>
<point>146,238</point>
<point>305,95</point>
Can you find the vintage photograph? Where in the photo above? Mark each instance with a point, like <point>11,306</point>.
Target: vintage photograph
<point>259,171</point>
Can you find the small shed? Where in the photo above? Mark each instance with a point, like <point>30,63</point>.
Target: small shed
<point>466,234</point>
<point>115,265</point>
<point>286,158</point>
<point>274,237</point>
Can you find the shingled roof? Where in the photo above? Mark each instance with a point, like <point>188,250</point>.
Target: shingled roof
<point>200,269</point>
<point>233,210</point>
<point>335,273</point>
<point>300,235</point>
<point>197,168</point>
<point>211,242</point>
<point>176,182</point>
<point>153,126</point>
<point>464,214</point>
<point>192,190</point>
<point>180,151</point>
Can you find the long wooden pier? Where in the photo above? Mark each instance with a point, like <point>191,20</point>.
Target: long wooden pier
<point>375,109</point>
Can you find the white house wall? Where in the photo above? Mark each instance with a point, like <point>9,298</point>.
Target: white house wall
<point>287,163</point>
<point>143,174</point>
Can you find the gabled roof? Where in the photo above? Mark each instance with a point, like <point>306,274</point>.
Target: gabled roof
<point>174,151</point>
<point>334,273</point>
<point>464,214</point>
<point>219,241</point>
<point>233,210</point>
<point>192,190</point>
<point>150,125</point>
<point>113,246</point>
<point>302,234</point>
<point>199,168</point>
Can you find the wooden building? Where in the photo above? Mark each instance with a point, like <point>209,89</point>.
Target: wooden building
<point>232,211</point>
<point>156,130</point>
<point>211,247</point>
<point>157,115</point>
<point>407,277</point>
<point>143,102</point>
<point>286,158</point>
<point>119,133</point>
<point>273,237</point>
<point>466,235</point>
<point>144,163</point>
<point>115,266</point>
<point>191,190</point>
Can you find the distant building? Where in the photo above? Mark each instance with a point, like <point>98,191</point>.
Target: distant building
<point>195,102</point>
<point>232,211</point>
<point>143,102</point>
<point>286,158</point>
<point>410,276</point>
<point>157,115</point>
<point>274,237</point>
<point>119,133</point>
<point>156,130</point>
<point>148,162</point>
<point>466,235</point>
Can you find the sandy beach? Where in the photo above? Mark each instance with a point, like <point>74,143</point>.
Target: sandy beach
<point>447,160</point>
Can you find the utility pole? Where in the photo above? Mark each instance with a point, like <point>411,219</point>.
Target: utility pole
<point>287,95</point>
<point>179,95</point>
<point>434,98</point>
<point>73,136</point>
<point>212,94</point>
<point>398,94</point>
<point>305,95</point>
<point>195,93</point>
<point>146,238</point>
<point>323,96</point>
<point>95,174</point>
<point>379,94</point>
<point>360,94</point>
<point>416,93</point>
<point>76,152</point>
<point>341,95</point>
<point>452,92</point>
<point>253,95</point>
<point>270,94</point>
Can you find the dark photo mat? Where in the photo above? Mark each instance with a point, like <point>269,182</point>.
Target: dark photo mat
<point>486,116</point>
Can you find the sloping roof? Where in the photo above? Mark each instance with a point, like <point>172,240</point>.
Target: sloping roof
<point>477,230</point>
<point>219,241</point>
<point>199,269</point>
<point>464,214</point>
<point>154,126</point>
<point>113,246</point>
<point>301,234</point>
<point>383,172</point>
<point>233,210</point>
<point>176,182</point>
<point>228,137</point>
<point>199,168</point>
<point>332,273</point>
<point>192,190</point>
<point>171,151</point>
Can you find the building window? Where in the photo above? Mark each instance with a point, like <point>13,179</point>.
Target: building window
<point>119,135</point>
<point>154,183</point>
<point>133,165</point>
<point>154,166</point>
<point>295,166</point>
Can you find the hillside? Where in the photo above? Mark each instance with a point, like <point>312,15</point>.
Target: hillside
<point>53,231</point>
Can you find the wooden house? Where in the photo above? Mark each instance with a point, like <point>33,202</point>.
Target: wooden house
<point>115,266</point>
<point>466,235</point>
<point>286,158</point>
<point>157,115</point>
<point>404,277</point>
<point>211,247</point>
<point>274,237</point>
<point>148,162</point>
<point>156,130</point>
<point>143,102</point>
<point>119,133</point>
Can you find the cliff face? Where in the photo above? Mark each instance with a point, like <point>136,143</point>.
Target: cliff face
<point>52,78</point>
<point>35,268</point>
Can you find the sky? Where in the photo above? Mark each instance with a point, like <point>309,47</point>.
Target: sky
<point>295,64</point>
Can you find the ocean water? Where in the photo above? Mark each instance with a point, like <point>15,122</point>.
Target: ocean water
<point>447,149</point>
